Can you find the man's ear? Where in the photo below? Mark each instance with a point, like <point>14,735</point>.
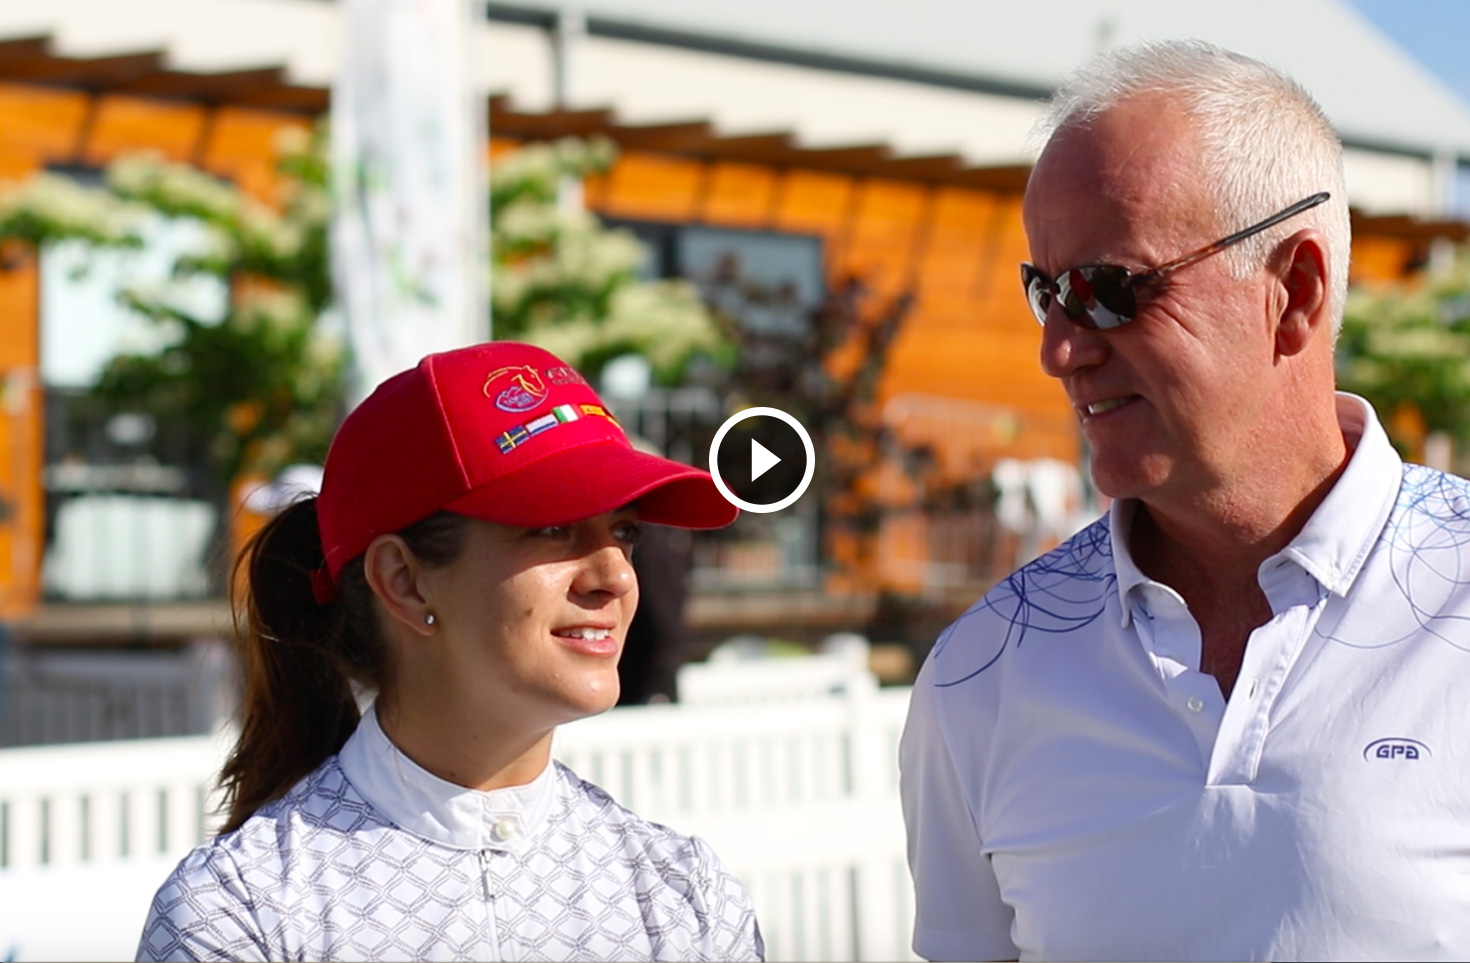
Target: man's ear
<point>394,573</point>
<point>1301,262</point>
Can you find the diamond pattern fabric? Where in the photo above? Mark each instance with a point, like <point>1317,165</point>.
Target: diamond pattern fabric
<point>324,874</point>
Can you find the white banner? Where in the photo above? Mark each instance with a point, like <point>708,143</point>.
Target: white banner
<point>410,207</point>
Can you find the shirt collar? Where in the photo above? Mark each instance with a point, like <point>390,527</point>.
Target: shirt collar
<point>1120,522</point>
<point>422,803</point>
<point>1334,543</point>
<point>1336,540</point>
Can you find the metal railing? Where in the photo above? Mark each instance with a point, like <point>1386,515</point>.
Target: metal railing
<point>66,695</point>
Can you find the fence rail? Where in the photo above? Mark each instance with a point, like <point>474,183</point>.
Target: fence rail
<point>798,795</point>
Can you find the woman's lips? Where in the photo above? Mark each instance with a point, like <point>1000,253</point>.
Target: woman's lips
<point>589,640</point>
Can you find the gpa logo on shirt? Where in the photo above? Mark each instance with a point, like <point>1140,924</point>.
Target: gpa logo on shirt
<point>1396,748</point>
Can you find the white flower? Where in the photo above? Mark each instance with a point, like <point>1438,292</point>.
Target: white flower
<point>54,207</point>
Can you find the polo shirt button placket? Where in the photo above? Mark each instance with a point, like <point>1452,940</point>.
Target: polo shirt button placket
<point>505,829</point>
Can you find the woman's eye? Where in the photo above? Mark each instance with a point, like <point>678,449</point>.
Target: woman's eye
<point>552,531</point>
<point>628,532</point>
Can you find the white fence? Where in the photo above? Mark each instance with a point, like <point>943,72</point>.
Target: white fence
<point>798,794</point>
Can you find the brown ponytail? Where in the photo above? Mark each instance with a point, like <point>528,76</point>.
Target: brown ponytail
<point>300,658</point>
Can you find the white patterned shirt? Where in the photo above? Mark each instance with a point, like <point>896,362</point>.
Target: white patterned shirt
<point>1075,787</point>
<point>373,858</point>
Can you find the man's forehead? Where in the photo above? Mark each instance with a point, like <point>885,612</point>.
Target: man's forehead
<point>1139,159</point>
<point>1129,151</point>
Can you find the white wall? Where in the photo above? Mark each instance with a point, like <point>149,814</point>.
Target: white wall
<point>643,83</point>
<point>1393,184</point>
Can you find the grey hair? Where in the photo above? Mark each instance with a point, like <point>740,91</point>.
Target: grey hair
<point>1265,142</point>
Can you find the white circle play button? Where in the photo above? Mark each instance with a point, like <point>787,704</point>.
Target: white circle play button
<point>762,459</point>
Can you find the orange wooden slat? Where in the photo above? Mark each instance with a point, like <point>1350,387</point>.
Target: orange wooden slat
<point>959,230</point>
<point>16,166</point>
<point>653,186</point>
<point>739,195</point>
<point>21,434</point>
<point>241,146</point>
<point>500,147</point>
<point>125,125</point>
<point>814,203</point>
<point>40,122</point>
<point>880,246</point>
<point>1380,259</point>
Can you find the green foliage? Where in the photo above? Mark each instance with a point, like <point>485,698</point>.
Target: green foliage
<point>261,384</point>
<point>264,383</point>
<point>563,281</point>
<point>51,207</point>
<point>1408,345</point>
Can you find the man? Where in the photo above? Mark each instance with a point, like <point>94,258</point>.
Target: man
<point>1229,720</point>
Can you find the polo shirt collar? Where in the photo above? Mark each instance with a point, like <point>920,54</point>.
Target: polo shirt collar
<point>422,803</point>
<point>1334,543</point>
<point>1120,523</point>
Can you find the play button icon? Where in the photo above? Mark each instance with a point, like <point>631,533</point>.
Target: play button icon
<point>762,459</point>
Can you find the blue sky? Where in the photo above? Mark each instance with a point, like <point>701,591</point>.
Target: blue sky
<point>1436,32</point>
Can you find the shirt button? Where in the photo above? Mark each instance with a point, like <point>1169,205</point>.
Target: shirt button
<point>505,829</point>
<point>1194,704</point>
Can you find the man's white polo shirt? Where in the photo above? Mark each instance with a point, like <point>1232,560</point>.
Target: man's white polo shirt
<point>1075,788</point>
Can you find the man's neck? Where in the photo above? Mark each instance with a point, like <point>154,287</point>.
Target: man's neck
<point>1210,550</point>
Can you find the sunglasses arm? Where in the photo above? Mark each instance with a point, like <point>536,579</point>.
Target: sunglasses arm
<point>1210,250</point>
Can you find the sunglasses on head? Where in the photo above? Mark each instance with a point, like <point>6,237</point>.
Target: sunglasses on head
<point>1103,296</point>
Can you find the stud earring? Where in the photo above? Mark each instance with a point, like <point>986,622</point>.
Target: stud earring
<point>429,619</point>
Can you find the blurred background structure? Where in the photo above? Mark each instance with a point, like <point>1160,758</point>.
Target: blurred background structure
<point>704,207</point>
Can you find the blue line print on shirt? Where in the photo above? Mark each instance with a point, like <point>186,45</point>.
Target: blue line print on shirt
<point>1060,592</point>
<point>1427,538</point>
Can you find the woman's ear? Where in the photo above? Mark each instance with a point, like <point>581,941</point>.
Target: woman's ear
<point>1305,308</point>
<point>394,574</point>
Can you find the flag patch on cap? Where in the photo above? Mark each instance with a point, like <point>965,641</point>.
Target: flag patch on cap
<point>559,415</point>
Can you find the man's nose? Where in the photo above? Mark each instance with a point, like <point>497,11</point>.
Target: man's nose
<point>1067,347</point>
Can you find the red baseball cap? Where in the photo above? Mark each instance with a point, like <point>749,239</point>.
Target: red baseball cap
<point>502,431</point>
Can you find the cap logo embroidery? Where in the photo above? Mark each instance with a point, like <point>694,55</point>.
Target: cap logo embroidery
<point>564,376</point>
<point>525,391</point>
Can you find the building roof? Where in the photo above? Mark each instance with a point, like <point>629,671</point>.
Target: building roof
<point>1376,94</point>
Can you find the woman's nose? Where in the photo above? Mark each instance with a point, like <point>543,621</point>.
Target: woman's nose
<point>607,570</point>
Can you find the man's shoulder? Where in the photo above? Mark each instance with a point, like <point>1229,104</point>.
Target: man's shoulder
<point>1064,591</point>
<point>1435,493</point>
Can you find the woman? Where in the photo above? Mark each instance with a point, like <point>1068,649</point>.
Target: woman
<point>467,562</point>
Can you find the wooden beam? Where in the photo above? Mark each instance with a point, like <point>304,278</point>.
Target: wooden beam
<point>93,73</point>
<point>229,87</point>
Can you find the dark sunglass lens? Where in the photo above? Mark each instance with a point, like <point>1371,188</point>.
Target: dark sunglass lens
<point>1040,303</point>
<point>1076,296</point>
<point>1116,301</point>
<point>1038,291</point>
